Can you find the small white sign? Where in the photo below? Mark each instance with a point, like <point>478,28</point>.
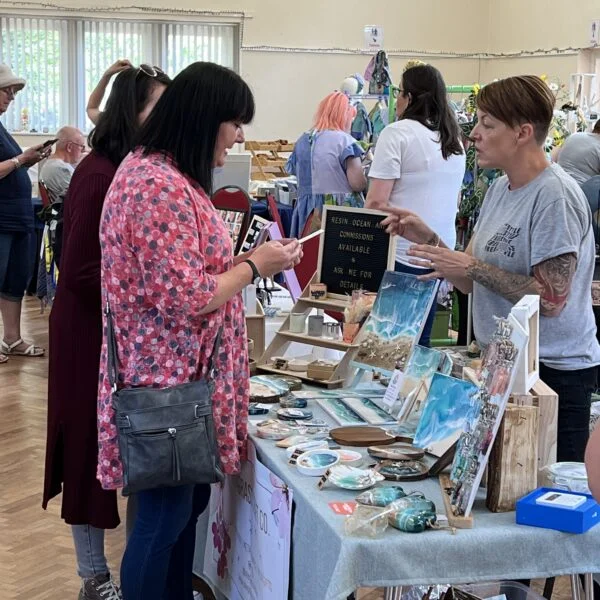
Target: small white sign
<point>373,37</point>
<point>393,389</point>
<point>595,32</point>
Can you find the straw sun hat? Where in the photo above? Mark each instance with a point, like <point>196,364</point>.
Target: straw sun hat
<point>9,79</point>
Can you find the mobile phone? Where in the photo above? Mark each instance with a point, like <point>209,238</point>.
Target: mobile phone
<point>49,143</point>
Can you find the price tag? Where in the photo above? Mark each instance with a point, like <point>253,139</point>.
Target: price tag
<point>342,508</point>
<point>393,389</point>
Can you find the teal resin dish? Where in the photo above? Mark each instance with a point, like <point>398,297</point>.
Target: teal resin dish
<point>412,520</point>
<point>382,496</point>
<point>316,462</point>
<point>351,478</point>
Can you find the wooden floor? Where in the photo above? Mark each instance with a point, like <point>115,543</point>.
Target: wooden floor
<point>36,552</point>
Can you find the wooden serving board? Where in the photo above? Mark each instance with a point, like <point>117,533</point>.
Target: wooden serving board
<point>363,436</point>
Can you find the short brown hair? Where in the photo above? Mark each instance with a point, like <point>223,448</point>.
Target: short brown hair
<point>519,100</point>
<point>596,127</point>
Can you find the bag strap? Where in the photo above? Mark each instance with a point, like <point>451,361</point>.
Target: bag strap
<point>111,345</point>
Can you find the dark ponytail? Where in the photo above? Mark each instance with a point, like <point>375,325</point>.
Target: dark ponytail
<point>429,106</point>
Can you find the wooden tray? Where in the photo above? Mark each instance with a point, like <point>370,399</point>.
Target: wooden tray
<point>363,436</point>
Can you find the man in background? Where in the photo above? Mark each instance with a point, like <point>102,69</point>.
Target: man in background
<point>58,169</point>
<point>579,156</point>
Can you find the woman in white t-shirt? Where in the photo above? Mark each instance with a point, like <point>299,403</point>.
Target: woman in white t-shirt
<point>419,163</point>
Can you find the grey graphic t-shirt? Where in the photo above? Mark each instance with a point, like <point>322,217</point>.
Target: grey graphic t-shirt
<point>519,229</point>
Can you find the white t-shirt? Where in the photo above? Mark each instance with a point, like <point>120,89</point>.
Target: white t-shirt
<point>425,183</point>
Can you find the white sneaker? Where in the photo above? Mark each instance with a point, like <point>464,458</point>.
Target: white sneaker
<point>198,596</point>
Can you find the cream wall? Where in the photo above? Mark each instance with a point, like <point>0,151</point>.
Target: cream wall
<point>515,25</point>
<point>288,86</point>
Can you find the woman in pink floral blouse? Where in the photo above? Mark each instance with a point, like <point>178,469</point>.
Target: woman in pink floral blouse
<point>169,275</point>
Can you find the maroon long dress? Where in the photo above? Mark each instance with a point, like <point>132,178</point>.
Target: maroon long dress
<point>74,355</point>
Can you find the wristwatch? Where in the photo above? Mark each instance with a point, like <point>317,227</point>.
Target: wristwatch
<point>255,274</point>
<point>16,162</point>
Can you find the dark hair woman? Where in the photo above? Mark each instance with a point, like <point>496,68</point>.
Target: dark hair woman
<point>534,236</point>
<point>170,278</point>
<point>419,163</point>
<point>76,333</point>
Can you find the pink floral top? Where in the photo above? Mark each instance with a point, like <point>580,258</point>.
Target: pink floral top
<point>162,245</point>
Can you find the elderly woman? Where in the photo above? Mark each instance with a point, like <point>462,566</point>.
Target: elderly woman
<point>171,281</point>
<point>16,224</point>
<point>534,236</point>
<point>327,162</point>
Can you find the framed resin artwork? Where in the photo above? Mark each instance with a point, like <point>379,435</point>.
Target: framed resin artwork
<point>394,326</point>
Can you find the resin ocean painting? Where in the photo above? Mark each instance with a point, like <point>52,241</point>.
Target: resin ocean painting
<point>451,403</point>
<point>395,323</point>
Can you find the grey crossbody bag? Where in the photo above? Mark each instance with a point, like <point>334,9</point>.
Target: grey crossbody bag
<point>166,436</point>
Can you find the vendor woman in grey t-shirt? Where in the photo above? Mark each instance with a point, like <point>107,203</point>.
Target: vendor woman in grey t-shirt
<point>534,236</point>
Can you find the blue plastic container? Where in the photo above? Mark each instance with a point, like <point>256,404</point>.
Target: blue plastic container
<point>571,520</point>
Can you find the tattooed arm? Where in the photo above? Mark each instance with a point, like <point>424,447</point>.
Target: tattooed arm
<point>551,281</point>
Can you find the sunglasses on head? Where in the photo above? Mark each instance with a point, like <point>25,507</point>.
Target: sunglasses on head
<point>150,71</point>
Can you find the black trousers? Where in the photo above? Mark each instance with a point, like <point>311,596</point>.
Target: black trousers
<point>574,389</point>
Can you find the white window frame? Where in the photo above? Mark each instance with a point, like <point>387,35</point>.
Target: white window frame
<point>73,105</point>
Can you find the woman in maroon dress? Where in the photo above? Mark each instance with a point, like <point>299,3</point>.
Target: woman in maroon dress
<point>76,334</point>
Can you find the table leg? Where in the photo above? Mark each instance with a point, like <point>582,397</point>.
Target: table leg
<point>393,593</point>
<point>588,586</point>
<point>575,589</point>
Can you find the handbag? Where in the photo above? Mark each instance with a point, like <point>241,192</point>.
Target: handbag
<point>166,436</point>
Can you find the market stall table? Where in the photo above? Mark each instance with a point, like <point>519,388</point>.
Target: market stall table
<point>326,564</point>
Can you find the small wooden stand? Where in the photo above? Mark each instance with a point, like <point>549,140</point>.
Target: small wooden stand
<point>283,338</point>
<point>512,466</point>
<point>453,520</point>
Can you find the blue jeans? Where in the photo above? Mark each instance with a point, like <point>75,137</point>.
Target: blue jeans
<point>574,389</point>
<point>89,549</point>
<point>426,334</point>
<point>15,264</point>
<point>158,560</point>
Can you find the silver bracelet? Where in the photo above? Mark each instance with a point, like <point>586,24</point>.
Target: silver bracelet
<point>16,162</point>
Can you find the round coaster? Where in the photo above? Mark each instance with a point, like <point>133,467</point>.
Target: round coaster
<point>294,414</point>
<point>267,389</point>
<point>403,471</point>
<point>294,383</point>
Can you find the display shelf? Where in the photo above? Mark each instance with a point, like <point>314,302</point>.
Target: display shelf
<point>329,383</point>
<point>313,340</point>
<point>343,373</point>
<point>325,303</point>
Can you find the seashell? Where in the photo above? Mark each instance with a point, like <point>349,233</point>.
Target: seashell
<point>416,502</point>
<point>382,496</point>
<point>411,520</point>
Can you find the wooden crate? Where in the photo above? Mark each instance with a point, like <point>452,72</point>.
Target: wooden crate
<point>546,400</point>
<point>512,466</point>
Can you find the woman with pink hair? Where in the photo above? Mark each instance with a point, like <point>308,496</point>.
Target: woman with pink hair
<point>327,162</point>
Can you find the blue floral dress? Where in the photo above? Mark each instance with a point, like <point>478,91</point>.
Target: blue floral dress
<point>319,163</point>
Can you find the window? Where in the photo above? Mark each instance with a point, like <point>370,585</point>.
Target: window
<point>63,59</point>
